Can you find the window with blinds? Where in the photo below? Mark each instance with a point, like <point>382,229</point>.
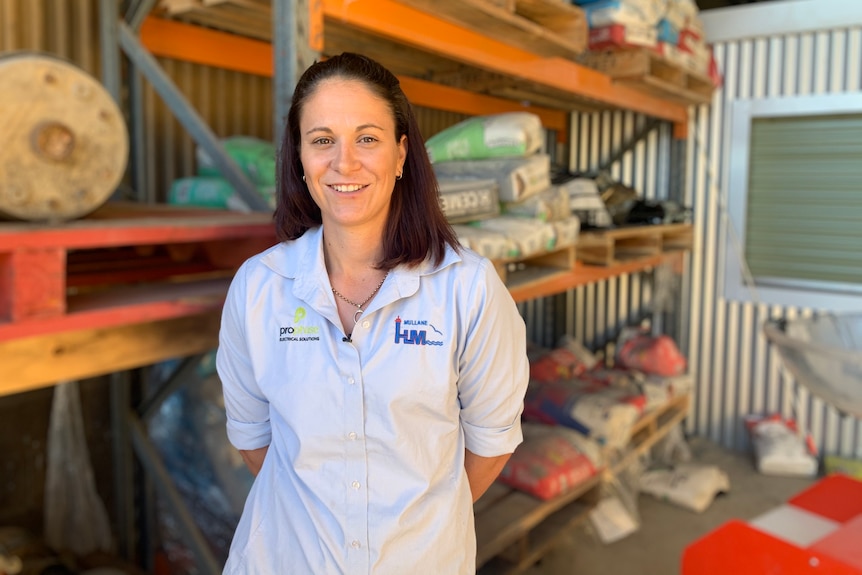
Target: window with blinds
<point>795,201</point>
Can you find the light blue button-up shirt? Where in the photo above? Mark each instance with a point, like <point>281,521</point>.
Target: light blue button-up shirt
<point>365,468</point>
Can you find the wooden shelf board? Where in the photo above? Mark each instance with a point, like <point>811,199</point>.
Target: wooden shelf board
<point>41,361</point>
<point>124,306</point>
<point>587,274</point>
<point>124,224</point>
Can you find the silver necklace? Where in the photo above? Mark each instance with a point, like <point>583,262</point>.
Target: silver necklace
<point>358,306</point>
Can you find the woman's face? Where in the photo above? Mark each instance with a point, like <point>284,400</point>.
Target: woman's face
<point>349,153</point>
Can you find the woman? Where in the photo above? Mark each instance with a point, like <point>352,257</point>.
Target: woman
<point>373,370</point>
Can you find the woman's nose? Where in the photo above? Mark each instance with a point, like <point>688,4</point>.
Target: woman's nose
<point>345,159</point>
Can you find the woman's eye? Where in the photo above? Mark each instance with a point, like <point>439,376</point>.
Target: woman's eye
<point>367,139</point>
<point>322,141</point>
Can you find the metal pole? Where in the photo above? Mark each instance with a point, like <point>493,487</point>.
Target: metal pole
<point>292,50</point>
<point>184,374</point>
<point>155,469</point>
<point>122,454</point>
<point>189,118</point>
<point>137,12</point>
<point>109,16</point>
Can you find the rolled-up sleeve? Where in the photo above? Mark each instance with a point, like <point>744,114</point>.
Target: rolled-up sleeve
<point>246,407</point>
<point>493,368</point>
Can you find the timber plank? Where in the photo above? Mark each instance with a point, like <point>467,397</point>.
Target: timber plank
<point>43,360</point>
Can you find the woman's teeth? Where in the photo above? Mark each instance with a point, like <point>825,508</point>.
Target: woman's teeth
<point>350,188</point>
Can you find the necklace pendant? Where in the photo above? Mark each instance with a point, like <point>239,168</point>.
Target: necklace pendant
<point>356,315</point>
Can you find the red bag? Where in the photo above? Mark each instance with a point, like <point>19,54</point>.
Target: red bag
<point>548,464</point>
<point>653,355</point>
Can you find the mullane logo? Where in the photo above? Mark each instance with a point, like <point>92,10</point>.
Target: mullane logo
<point>298,332</point>
<point>410,336</point>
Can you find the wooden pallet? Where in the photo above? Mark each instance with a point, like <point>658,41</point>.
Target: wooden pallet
<point>252,18</point>
<point>650,428</point>
<point>521,273</point>
<point>125,263</point>
<point>515,530</point>
<point>622,245</point>
<point>652,73</point>
<point>545,27</point>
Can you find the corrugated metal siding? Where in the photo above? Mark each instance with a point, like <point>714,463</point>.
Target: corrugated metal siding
<point>61,27</point>
<point>736,370</point>
<point>596,312</point>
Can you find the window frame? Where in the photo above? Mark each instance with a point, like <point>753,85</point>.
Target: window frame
<point>835,296</point>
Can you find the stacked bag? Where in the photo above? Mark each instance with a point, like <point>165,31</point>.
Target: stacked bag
<point>671,28</point>
<point>495,186</point>
<point>578,411</point>
<point>209,189</point>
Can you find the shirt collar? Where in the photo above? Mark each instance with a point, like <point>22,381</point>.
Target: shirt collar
<point>302,260</point>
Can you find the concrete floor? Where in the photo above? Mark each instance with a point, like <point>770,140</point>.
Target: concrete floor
<point>666,530</point>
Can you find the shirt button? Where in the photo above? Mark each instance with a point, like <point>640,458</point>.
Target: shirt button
<point>351,381</point>
<point>366,324</point>
<point>352,435</point>
<point>355,544</point>
<point>355,485</point>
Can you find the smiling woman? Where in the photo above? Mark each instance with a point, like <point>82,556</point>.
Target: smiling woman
<point>372,438</point>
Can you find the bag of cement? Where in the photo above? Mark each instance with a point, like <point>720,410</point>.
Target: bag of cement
<point>566,231</point>
<point>469,200</point>
<point>548,206</point>
<point>213,193</point>
<point>529,236</point>
<point>518,178</point>
<point>586,202</point>
<point>779,448</point>
<point>504,135</point>
<point>255,157</point>
<point>492,245</point>
<point>689,485</point>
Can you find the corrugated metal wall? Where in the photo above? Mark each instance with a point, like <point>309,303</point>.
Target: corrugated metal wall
<point>66,28</point>
<point>736,371</point>
<point>596,312</point>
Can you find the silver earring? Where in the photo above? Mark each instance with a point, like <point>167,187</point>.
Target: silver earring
<point>399,175</point>
<point>303,177</point>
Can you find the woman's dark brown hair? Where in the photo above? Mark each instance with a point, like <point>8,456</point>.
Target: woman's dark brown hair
<point>417,228</point>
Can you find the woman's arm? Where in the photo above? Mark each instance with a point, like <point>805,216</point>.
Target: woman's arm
<point>482,471</point>
<point>254,459</point>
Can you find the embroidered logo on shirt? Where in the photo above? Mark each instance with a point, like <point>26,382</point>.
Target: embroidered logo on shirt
<point>298,332</point>
<point>410,336</point>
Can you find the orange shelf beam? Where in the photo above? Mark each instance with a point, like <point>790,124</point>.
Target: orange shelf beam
<point>586,274</point>
<point>188,43</point>
<point>406,25</point>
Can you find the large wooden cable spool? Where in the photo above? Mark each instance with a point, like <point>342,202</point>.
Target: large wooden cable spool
<point>64,144</point>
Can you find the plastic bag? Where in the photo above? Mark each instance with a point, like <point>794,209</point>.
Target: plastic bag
<point>75,516</point>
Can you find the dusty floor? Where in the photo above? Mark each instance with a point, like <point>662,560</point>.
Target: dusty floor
<point>666,530</point>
